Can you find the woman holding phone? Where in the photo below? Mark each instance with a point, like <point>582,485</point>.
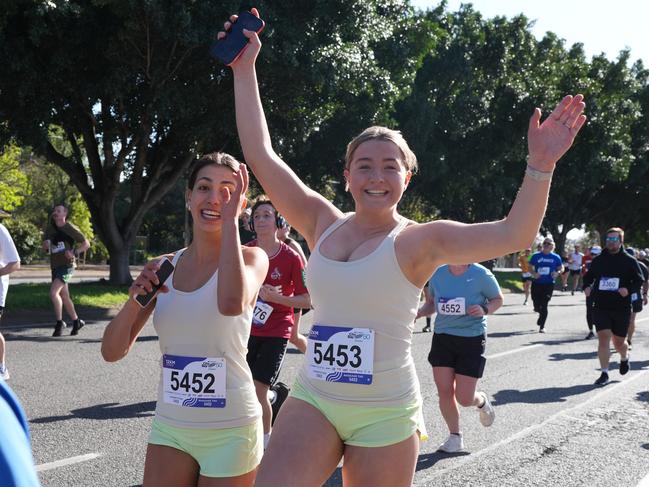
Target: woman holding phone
<point>357,394</point>
<point>207,428</point>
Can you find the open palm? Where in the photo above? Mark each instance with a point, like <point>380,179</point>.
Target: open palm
<point>550,140</point>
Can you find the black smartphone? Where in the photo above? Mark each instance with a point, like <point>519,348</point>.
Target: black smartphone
<point>166,268</point>
<point>227,50</point>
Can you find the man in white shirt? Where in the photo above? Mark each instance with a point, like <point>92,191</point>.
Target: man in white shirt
<point>575,261</point>
<point>9,262</point>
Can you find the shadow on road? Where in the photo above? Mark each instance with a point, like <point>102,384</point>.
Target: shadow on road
<point>506,334</point>
<point>109,410</point>
<point>428,460</point>
<point>540,396</point>
<point>643,396</point>
<point>556,357</point>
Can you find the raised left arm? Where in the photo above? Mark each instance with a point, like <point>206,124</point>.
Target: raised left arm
<point>458,243</point>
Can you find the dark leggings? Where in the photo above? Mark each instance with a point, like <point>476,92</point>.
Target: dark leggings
<point>589,312</point>
<point>541,295</point>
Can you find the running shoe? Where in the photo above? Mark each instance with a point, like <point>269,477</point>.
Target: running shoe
<point>541,330</point>
<point>487,412</point>
<point>624,366</point>
<point>628,342</point>
<point>58,328</point>
<point>603,379</point>
<point>426,329</point>
<point>525,303</point>
<point>4,372</point>
<point>590,335</point>
<point>453,444</point>
<point>76,326</point>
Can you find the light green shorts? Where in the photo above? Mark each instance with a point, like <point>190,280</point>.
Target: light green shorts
<point>227,452</point>
<point>367,426</point>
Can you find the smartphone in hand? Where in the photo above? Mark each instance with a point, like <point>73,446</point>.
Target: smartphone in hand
<point>228,49</point>
<point>163,273</point>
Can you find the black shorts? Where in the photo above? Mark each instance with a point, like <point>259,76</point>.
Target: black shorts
<point>2,308</point>
<point>575,272</point>
<point>464,354</point>
<point>615,320</point>
<point>265,356</point>
<point>527,278</point>
<point>637,304</point>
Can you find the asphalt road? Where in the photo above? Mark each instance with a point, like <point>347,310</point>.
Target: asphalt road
<point>90,420</point>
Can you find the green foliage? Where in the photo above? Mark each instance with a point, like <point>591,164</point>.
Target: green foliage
<point>96,295</point>
<point>27,237</point>
<point>14,186</point>
<point>126,97</point>
<point>509,280</point>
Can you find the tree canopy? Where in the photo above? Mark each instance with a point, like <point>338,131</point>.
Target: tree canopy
<point>122,96</point>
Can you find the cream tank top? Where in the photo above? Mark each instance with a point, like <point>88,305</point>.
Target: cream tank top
<point>371,292</point>
<point>189,324</point>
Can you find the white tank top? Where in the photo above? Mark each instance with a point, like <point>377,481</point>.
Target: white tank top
<point>189,324</point>
<point>371,292</point>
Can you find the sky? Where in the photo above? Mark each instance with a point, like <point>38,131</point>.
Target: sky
<point>601,26</point>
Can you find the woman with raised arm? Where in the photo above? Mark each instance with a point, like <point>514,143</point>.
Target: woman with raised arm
<point>207,428</point>
<point>357,394</point>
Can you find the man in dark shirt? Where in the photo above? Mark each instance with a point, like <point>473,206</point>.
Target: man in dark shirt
<point>60,240</point>
<point>609,280</point>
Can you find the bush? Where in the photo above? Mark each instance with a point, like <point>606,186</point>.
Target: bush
<point>28,239</point>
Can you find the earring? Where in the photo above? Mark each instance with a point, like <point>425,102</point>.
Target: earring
<point>188,206</point>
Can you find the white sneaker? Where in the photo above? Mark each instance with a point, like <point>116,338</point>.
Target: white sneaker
<point>453,444</point>
<point>487,413</point>
<point>4,372</point>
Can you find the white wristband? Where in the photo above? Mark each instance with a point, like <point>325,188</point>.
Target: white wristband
<point>538,175</point>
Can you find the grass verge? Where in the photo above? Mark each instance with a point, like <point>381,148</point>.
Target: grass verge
<point>37,296</point>
<point>510,280</point>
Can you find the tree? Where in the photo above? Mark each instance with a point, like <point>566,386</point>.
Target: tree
<point>137,98</point>
<point>14,186</point>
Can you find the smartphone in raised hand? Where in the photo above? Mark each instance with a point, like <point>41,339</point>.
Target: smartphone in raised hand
<point>228,49</point>
<point>163,273</point>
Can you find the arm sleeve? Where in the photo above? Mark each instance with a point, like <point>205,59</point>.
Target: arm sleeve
<point>637,278</point>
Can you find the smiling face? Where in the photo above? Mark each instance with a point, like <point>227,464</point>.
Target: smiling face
<point>205,199</point>
<point>377,176</point>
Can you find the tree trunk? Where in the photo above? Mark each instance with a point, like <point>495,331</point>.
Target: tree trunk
<point>120,273</point>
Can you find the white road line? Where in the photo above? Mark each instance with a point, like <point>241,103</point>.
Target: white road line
<point>66,461</point>
<point>516,350</point>
<point>643,319</point>
<point>534,427</point>
<point>644,482</point>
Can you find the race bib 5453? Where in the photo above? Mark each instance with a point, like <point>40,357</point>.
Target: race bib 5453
<point>340,354</point>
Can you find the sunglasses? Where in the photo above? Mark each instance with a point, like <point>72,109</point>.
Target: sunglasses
<point>612,239</point>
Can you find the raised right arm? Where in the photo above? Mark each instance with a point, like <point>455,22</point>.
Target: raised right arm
<point>309,212</point>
